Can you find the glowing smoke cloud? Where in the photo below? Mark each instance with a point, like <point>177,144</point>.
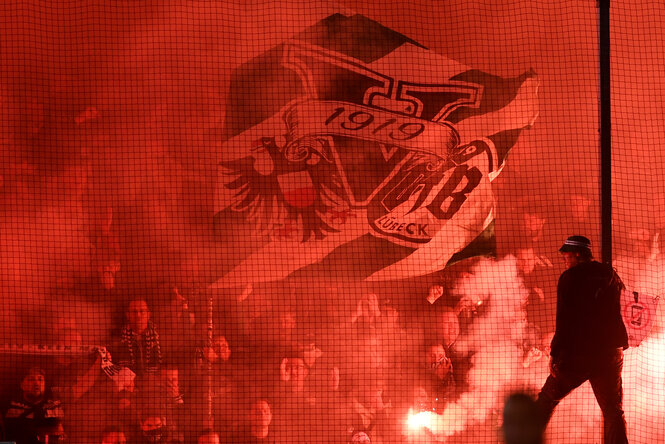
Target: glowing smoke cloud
<point>498,362</point>
<point>496,341</point>
<point>644,366</point>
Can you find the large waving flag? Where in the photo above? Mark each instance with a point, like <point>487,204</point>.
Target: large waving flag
<point>353,152</point>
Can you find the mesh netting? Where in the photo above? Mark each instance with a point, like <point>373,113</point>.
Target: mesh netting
<point>280,222</point>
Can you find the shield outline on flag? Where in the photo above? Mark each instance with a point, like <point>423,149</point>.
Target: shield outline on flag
<point>393,89</point>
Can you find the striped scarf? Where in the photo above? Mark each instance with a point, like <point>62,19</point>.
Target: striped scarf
<point>144,352</point>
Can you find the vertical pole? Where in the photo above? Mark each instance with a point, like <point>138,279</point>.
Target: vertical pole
<point>211,327</point>
<point>605,132</point>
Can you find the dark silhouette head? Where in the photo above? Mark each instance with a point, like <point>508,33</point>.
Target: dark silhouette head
<point>522,422</point>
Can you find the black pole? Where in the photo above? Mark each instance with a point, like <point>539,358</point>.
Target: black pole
<point>605,133</point>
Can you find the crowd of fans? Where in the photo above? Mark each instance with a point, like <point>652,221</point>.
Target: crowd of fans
<point>262,373</point>
<point>281,363</point>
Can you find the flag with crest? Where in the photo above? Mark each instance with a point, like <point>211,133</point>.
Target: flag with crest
<point>351,152</point>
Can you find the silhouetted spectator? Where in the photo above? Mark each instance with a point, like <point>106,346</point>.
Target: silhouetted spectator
<point>522,423</point>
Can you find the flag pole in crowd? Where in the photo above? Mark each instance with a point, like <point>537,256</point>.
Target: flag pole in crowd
<point>210,329</point>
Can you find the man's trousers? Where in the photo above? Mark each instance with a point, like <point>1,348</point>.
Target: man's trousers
<point>603,371</point>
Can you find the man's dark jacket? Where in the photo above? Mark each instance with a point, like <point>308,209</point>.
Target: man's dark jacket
<point>588,315</point>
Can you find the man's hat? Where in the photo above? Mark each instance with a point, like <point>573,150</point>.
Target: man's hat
<point>576,244</point>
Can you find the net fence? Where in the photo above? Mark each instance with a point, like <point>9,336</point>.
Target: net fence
<point>278,222</point>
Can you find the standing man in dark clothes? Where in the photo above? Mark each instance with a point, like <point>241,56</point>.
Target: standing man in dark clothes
<point>590,337</point>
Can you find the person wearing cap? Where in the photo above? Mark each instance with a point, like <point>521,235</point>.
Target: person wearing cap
<point>589,339</point>
<point>33,415</point>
